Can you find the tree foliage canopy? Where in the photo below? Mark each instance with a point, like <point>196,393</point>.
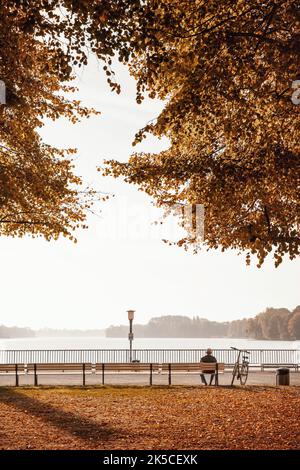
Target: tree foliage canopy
<point>41,41</point>
<point>226,70</point>
<point>40,44</point>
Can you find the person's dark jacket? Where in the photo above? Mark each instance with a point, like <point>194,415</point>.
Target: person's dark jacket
<point>209,358</point>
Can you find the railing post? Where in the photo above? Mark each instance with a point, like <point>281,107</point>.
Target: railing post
<point>17,377</point>
<point>151,371</point>
<point>35,375</point>
<point>83,374</point>
<point>170,378</point>
<point>103,366</point>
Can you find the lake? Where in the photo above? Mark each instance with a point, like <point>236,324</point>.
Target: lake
<point>142,343</point>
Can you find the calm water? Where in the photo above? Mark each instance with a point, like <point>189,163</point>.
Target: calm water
<point>143,343</point>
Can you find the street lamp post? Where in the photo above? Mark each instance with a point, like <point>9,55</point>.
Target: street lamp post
<point>130,334</point>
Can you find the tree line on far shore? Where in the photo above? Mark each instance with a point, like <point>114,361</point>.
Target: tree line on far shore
<point>272,324</point>
<point>15,332</point>
<point>18,332</point>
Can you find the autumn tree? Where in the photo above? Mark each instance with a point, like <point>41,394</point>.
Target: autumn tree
<point>274,323</point>
<point>39,193</point>
<point>238,328</point>
<point>226,71</point>
<point>41,42</point>
<point>294,324</point>
<point>254,329</point>
<point>271,324</point>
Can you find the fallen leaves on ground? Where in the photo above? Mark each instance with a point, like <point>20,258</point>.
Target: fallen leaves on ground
<point>150,418</point>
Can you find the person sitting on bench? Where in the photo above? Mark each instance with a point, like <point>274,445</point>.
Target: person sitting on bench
<point>208,358</point>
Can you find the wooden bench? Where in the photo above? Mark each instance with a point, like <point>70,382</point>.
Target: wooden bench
<point>200,368</point>
<point>123,368</point>
<point>161,369</point>
<point>11,369</point>
<point>7,368</point>
<point>45,369</point>
<point>110,368</point>
<point>60,368</point>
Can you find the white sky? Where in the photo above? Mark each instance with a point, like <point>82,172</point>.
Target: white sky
<point>121,262</point>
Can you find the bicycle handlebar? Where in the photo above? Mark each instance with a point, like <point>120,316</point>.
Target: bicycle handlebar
<point>242,350</point>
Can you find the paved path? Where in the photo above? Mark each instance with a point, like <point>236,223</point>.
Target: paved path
<point>255,378</point>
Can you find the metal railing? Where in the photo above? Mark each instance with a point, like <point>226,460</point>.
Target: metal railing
<point>228,356</point>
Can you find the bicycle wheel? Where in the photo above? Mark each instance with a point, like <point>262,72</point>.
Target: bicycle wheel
<point>243,373</point>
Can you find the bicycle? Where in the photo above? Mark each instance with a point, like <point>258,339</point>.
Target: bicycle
<point>241,369</point>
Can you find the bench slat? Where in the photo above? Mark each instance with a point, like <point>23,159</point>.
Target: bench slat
<point>114,367</point>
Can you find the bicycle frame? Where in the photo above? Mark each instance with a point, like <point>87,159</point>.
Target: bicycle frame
<point>239,366</point>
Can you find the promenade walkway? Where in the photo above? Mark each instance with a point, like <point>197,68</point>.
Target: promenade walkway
<point>255,378</point>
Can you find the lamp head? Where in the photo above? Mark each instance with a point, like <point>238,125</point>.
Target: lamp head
<point>130,314</point>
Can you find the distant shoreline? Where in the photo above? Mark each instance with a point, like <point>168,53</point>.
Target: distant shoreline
<point>274,324</point>
<point>125,338</point>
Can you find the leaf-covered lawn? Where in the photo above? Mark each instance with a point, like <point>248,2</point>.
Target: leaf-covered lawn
<point>150,418</point>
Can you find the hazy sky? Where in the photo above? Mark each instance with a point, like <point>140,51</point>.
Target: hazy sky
<point>121,262</point>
